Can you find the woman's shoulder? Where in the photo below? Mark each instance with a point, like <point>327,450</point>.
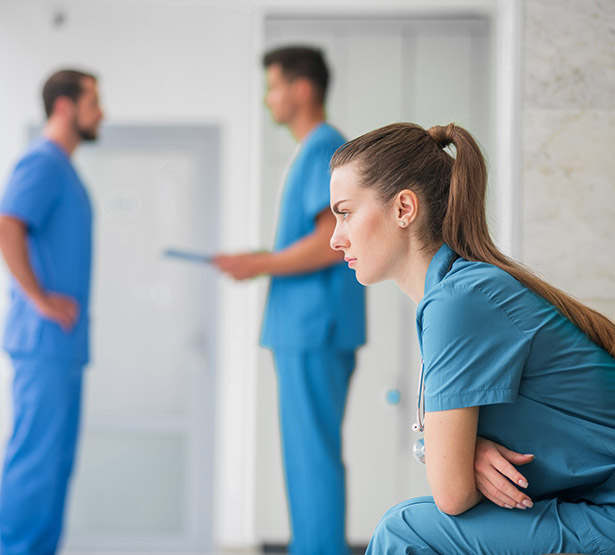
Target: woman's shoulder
<point>478,287</point>
<point>465,276</point>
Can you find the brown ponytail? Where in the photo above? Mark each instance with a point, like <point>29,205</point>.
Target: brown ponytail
<point>405,156</point>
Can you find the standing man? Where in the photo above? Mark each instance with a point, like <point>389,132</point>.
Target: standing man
<point>315,314</point>
<point>45,238</point>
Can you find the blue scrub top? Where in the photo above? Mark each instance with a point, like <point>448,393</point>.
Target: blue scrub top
<point>319,309</point>
<point>542,385</point>
<point>46,194</point>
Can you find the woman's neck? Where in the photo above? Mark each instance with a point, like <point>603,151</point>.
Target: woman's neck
<point>413,272</point>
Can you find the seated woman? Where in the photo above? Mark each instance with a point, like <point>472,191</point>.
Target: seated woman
<point>507,357</point>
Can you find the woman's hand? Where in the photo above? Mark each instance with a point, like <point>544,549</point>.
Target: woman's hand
<point>496,477</point>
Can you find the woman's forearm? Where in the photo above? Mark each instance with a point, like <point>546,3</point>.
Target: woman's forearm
<point>450,442</point>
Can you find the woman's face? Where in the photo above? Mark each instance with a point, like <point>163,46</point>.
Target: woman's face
<point>367,230</point>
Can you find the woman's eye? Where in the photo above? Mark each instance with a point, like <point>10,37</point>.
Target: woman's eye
<point>344,214</point>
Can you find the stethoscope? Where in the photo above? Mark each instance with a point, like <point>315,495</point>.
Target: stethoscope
<point>419,445</point>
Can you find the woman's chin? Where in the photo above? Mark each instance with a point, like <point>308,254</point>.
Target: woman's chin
<point>365,279</point>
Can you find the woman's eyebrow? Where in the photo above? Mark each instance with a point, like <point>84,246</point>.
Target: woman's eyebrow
<point>336,205</point>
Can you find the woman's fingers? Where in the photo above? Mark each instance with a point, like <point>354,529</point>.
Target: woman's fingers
<point>494,494</point>
<point>501,491</point>
<point>513,456</point>
<point>508,470</point>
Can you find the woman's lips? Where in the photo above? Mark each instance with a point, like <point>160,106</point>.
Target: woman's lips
<point>350,261</point>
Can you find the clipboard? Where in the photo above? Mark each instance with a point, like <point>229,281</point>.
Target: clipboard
<point>188,256</point>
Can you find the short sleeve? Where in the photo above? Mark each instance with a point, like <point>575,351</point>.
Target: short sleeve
<point>317,176</point>
<point>32,191</point>
<point>473,353</point>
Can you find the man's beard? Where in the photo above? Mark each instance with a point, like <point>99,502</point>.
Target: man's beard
<point>87,135</point>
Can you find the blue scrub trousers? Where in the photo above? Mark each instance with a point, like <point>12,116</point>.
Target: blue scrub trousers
<point>40,454</point>
<point>550,526</point>
<point>312,389</point>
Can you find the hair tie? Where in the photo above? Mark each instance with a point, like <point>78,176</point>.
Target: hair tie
<point>443,136</point>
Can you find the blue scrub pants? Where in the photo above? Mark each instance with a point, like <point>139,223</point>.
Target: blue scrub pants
<point>39,456</point>
<point>312,389</point>
<point>550,526</point>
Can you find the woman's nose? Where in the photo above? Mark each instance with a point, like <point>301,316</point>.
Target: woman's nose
<point>338,241</point>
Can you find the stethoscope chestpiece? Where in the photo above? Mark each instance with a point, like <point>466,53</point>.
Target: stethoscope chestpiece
<point>418,450</point>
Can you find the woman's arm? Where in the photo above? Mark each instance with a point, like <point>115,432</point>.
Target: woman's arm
<point>450,442</point>
<point>462,467</point>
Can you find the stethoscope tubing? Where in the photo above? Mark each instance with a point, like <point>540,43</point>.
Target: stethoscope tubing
<point>420,403</point>
<point>419,444</point>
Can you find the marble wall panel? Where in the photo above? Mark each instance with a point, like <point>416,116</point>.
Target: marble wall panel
<point>568,178</point>
<point>569,200</point>
<point>570,54</point>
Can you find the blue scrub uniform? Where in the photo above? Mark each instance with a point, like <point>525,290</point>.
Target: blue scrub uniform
<point>46,194</point>
<point>543,387</point>
<point>313,323</point>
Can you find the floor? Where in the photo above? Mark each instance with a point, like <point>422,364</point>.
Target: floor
<point>356,550</point>
<point>141,552</point>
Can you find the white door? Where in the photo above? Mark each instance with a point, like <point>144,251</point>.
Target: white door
<point>419,70</point>
<point>144,473</point>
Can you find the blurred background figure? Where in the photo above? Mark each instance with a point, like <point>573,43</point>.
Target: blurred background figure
<point>315,313</point>
<point>45,238</point>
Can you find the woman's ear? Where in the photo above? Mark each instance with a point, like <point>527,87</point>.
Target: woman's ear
<point>406,207</point>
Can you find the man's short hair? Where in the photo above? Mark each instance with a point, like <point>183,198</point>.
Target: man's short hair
<point>66,82</point>
<point>301,62</point>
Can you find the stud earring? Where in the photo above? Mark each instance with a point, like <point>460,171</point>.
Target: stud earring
<point>402,223</point>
